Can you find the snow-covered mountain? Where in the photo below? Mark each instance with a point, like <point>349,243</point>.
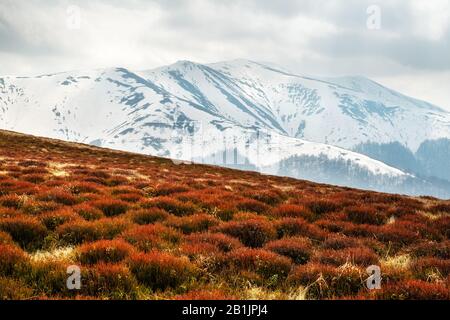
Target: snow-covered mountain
<point>240,113</point>
<point>339,111</point>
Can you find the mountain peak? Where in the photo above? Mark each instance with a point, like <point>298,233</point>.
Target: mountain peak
<point>184,64</point>
<point>246,63</point>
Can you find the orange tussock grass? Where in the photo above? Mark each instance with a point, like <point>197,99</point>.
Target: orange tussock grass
<point>160,270</point>
<point>252,233</point>
<point>107,251</point>
<point>297,248</point>
<point>265,263</point>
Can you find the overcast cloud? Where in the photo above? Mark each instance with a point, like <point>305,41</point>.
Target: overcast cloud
<point>410,52</point>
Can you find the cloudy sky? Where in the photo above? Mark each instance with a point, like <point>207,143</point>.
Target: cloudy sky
<point>403,44</point>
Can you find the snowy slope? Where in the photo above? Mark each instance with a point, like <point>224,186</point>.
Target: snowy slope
<point>231,113</point>
<point>342,111</point>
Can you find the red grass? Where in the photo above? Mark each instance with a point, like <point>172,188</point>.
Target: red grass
<point>9,213</point>
<point>58,196</point>
<point>320,207</point>
<point>54,183</point>
<point>168,189</point>
<point>12,260</point>
<point>107,251</point>
<point>11,201</point>
<point>35,170</point>
<point>13,289</point>
<point>84,187</point>
<point>5,238</point>
<point>442,225</point>
<point>265,263</point>
<point>338,242</point>
<point>325,282</point>
<point>252,205</point>
<point>32,163</point>
<point>48,277</point>
<point>193,250</point>
<point>396,234</point>
<point>439,208</point>
<point>147,216</point>
<point>171,205</point>
<point>252,233</point>
<point>88,212</point>
<point>309,273</point>
<point>14,186</point>
<point>221,241</point>
<point>113,281</point>
<point>33,178</point>
<point>116,204</point>
<point>363,230</point>
<point>296,248</point>
<point>292,210</point>
<point>35,207</point>
<point>160,270</point>
<point>99,174</point>
<point>298,227</point>
<point>93,180</point>
<point>420,225</point>
<point>242,216</point>
<point>428,268</point>
<point>129,197</point>
<point>151,236</point>
<point>77,232</point>
<point>365,214</point>
<point>27,232</point>
<point>110,228</point>
<point>361,256</point>
<point>213,294</point>
<point>413,290</point>
<point>54,219</point>
<point>269,197</point>
<point>431,249</point>
<point>117,181</point>
<point>126,190</point>
<point>111,207</point>
<point>193,223</point>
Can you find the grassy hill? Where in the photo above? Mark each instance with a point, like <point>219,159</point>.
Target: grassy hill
<point>142,227</point>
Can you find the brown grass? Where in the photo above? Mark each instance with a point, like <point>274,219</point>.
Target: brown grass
<point>144,227</point>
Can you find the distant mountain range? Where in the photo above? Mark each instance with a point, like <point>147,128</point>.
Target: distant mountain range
<point>348,131</point>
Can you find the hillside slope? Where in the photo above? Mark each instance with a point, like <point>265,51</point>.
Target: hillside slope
<point>145,227</point>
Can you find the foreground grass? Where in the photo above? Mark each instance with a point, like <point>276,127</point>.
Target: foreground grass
<point>144,228</point>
